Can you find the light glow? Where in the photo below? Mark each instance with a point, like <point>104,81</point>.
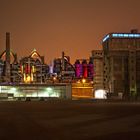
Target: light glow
<point>49,89</point>
<point>28,79</point>
<point>13,90</point>
<point>100,94</point>
<point>83,80</point>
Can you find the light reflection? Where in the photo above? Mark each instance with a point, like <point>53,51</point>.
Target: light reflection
<point>100,94</point>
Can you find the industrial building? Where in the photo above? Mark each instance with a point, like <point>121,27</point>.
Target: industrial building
<point>29,76</point>
<point>30,69</point>
<point>33,68</point>
<point>9,65</point>
<point>84,68</point>
<point>26,78</point>
<point>121,63</point>
<point>64,70</point>
<point>97,56</point>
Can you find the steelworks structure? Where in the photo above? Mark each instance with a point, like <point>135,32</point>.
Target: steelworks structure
<point>33,69</point>
<point>30,76</point>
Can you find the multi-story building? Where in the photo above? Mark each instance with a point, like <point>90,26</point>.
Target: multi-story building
<point>121,64</point>
<point>97,56</point>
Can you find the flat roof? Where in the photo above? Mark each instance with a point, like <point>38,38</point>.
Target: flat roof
<point>121,35</point>
<point>38,84</point>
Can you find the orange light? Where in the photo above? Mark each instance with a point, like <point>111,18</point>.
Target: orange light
<point>83,80</point>
<point>32,78</point>
<point>33,69</point>
<point>28,79</point>
<point>34,54</point>
<point>54,78</point>
<point>78,82</point>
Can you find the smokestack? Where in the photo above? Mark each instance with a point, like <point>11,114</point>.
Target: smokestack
<point>7,74</point>
<point>63,61</point>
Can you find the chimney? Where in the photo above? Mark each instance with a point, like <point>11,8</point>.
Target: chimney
<point>7,72</point>
<point>63,61</point>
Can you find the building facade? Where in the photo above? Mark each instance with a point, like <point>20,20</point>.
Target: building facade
<point>121,63</point>
<point>97,56</point>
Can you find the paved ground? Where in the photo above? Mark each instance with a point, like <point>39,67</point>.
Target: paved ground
<point>69,120</point>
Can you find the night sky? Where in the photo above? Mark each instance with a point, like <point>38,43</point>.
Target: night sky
<point>74,26</point>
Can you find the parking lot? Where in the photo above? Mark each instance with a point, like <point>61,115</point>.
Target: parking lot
<point>69,120</point>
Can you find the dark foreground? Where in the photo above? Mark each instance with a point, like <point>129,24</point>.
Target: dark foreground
<point>69,120</point>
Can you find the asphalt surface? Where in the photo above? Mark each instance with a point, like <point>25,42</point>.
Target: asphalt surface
<point>69,120</point>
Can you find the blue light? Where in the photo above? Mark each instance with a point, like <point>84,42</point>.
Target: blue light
<point>136,35</point>
<point>126,35</point>
<point>114,35</point>
<point>121,35</point>
<point>131,35</point>
<point>105,38</point>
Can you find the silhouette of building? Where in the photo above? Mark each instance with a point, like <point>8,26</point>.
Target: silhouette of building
<point>121,64</point>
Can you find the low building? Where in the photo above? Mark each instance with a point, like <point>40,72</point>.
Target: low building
<point>35,91</point>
